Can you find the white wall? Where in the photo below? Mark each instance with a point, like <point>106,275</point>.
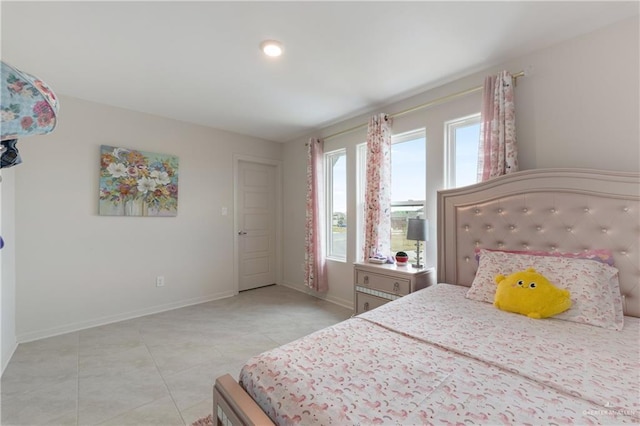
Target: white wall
<point>579,108</point>
<point>76,269</point>
<point>582,106</point>
<point>7,267</point>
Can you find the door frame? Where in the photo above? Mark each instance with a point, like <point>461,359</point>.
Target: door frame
<point>237,158</point>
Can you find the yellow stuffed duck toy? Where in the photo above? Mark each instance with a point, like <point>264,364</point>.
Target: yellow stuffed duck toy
<point>531,294</point>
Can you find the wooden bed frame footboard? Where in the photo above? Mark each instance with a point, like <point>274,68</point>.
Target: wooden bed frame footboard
<point>232,406</point>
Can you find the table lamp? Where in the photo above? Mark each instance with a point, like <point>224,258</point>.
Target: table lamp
<point>417,229</point>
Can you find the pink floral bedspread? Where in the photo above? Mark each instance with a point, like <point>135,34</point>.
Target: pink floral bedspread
<point>435,357</point>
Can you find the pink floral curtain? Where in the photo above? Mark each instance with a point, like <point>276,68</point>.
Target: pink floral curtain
<point>497,153</point>
<point>377,199</point>
<point>315,276</point>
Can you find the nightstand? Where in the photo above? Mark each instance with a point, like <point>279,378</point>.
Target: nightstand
<point>375,285</point>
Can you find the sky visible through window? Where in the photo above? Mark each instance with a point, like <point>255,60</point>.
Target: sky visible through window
<point>340,185</point>
<point>467,139</point>
<point>408,171</point>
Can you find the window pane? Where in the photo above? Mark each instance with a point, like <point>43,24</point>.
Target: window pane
<point>462,140</point>
<point>408,170</point>
<point>337,204</point>
<point>399,220</point>
<point>408,183</point>
<point>467,139</point>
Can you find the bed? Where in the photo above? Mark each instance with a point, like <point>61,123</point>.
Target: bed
<point>446,355</point>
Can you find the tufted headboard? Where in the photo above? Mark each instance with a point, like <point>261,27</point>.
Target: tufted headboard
<point>544,209</point>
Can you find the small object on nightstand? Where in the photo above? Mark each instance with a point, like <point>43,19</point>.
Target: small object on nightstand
<point>402,259</point>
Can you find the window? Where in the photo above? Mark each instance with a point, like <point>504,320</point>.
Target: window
<point>408,178</point>
<point>336,189</point>
<point>462,138</point>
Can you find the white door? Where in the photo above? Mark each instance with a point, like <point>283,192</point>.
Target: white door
<point>256,225</point>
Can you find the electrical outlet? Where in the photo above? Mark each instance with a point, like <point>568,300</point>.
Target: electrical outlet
<point>160,281</point>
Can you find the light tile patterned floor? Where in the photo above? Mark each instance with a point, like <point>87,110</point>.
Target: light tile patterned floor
<point>154,370</point>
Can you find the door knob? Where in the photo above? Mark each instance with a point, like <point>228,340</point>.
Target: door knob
<point>242,233</point>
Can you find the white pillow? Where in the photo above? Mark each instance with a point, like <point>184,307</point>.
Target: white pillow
<point>594,287</point>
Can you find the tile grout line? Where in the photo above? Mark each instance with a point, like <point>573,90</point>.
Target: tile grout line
<point>162,377</point>
<point>150,402</point>
<point>272,303</point>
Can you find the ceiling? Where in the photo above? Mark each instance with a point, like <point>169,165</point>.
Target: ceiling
<point>199,61</point>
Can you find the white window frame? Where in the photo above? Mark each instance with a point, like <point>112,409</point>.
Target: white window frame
<point>329,161</point>
<point>450,128</point>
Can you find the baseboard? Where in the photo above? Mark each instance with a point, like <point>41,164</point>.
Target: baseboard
<point>304,289</point>
<point>69,328</point>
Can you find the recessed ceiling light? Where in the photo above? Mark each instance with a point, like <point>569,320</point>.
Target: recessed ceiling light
<point>271,48</point>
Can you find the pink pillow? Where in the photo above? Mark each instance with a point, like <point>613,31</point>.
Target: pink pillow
<point>594,287</point>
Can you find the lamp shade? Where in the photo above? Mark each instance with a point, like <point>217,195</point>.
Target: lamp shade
<point>417,229</point>
<point>28,105</point>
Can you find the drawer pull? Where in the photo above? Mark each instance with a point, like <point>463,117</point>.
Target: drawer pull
<point>366,279</point>
<point>396,286</point>
<point>366,306</point>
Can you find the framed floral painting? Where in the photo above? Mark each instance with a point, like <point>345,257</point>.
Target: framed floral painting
<point>137,183</point>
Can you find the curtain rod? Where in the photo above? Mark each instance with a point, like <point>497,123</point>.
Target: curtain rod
<point>425,105</point>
